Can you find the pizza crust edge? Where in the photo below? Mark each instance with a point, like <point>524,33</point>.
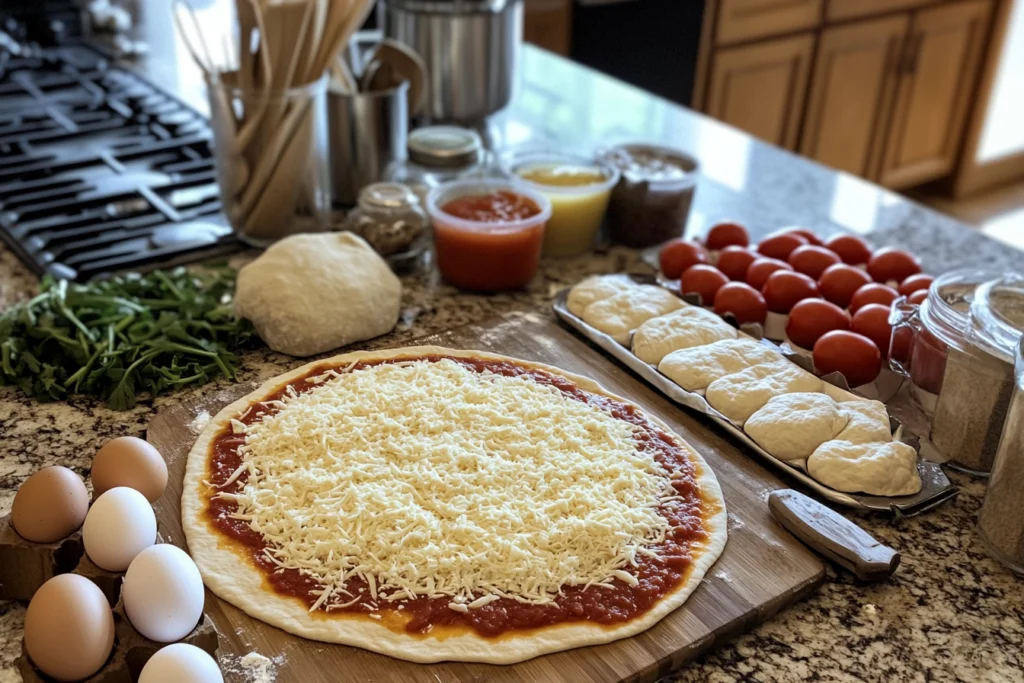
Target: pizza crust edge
<point>239,583</point>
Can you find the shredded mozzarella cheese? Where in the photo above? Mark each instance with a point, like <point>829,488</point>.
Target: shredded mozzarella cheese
<point>431,479</point>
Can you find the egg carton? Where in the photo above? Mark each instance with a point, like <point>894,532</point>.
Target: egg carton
<point>25,566</point>
<point>131,652</point>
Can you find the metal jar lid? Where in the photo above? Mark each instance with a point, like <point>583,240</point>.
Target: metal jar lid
<point>387,196</point>
<point>445,146</point>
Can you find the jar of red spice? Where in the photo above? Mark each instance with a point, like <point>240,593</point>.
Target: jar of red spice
<point>960,361</point>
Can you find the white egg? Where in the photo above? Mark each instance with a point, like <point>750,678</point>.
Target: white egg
<point>181,663</point>
<point>119,526</point>
<point>163,593</point>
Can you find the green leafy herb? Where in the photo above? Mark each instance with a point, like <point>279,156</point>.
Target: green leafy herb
<point>124,336</point>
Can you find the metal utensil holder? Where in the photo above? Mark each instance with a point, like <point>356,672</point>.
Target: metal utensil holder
<point>368,131</point>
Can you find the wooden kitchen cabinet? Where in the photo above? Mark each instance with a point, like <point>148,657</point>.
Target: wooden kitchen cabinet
<point>936,85</point>
<point>761,88</point>
<point>851,94</point>
<point>548,24</point>
<point>740,20</point>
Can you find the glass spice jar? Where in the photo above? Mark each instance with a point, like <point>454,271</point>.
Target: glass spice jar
<point>1001,520</point>
<point>960,363</point>
<point>437,155</point>
<point>389,217</point>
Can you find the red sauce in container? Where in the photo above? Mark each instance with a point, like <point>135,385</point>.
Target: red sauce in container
<point>487,235</point>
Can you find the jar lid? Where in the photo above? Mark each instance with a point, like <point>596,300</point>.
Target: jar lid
<point>387,196</point>
<point>997,315</point>
<point>447,146</point>
<point>653,164</point>
<point>945,312</point>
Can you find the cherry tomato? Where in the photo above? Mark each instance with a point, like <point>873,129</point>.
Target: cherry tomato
<point>704,280</point>
<point>677,255</point>
<point>852,249</point>
<point>761,268</point>
<point>850,353</point>
<point>890,264</point>
<point>873,293</point>
<point>811,260</point>
<point>734,261</point>
<point>727,233</point>
<point>872,321</point>
<point>915,283</point>
<point>918,297</point>
<point>812,318</point>
<point>839,283</point>
<point>781,246</point>
<point>803,232</point>
<point>744,302</point>
<point>784,288</point>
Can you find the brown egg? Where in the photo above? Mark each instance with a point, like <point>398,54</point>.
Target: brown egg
<point>69,628</point>
<point>50,505</point>
<point>132,462</point>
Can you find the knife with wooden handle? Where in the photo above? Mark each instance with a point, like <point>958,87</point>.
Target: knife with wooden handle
<point>830,534</point>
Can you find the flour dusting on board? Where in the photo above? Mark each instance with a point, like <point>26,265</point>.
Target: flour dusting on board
<point>253,667</point>
<point>200,421</point>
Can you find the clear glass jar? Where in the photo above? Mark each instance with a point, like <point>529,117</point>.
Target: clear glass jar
<point>960,361</point>
<point>270,153</point>
<point>438,155</point>
<point>389,217</point>
<point>1001,520</point>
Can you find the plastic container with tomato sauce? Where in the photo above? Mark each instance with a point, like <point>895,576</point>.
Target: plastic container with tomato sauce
<point>487,233</point>
<point>960,362</point>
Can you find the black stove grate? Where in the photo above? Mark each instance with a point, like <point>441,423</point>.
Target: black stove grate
<point>100,171</point>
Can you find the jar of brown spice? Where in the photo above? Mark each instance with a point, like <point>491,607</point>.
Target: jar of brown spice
<point>651,202</point>
<point>1001,521</point>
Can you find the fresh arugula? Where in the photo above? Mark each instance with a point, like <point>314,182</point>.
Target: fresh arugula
<point>120,337</point>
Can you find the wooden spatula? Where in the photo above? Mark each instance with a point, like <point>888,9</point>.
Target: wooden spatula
<point>833,536</point>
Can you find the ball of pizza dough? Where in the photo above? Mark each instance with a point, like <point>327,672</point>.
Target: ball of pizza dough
<point>312,293</point>
<point>792,426</point>
<point>877,469</point>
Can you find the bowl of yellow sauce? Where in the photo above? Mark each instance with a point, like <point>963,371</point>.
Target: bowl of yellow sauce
<point>578,188</point>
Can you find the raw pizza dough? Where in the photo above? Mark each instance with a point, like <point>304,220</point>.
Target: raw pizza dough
<point>868,421</point>
<point>595,288</point>
<point>740,395</point>
<point>684,328</point>
<point>620,314</point>
<point>231,575</point>
<point>311,293</point>
<point>695,368</point>
<point>791,426</point>
<point>877,469</point>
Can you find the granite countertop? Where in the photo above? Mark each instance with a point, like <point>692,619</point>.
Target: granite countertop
<point>949,614</point>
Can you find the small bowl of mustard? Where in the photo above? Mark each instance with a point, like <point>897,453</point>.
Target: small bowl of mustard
<point>578,188</point>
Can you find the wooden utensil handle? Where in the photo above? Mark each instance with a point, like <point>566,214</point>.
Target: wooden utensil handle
<point>833,536</point>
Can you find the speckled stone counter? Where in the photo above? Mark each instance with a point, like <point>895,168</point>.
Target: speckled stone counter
<point>949,614</point>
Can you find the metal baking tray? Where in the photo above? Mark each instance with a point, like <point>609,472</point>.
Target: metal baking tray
<point>936,487</point>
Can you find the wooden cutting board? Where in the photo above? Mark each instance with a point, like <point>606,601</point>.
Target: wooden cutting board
<point>762,570</point>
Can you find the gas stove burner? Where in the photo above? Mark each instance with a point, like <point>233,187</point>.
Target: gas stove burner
<point>101,171</point>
